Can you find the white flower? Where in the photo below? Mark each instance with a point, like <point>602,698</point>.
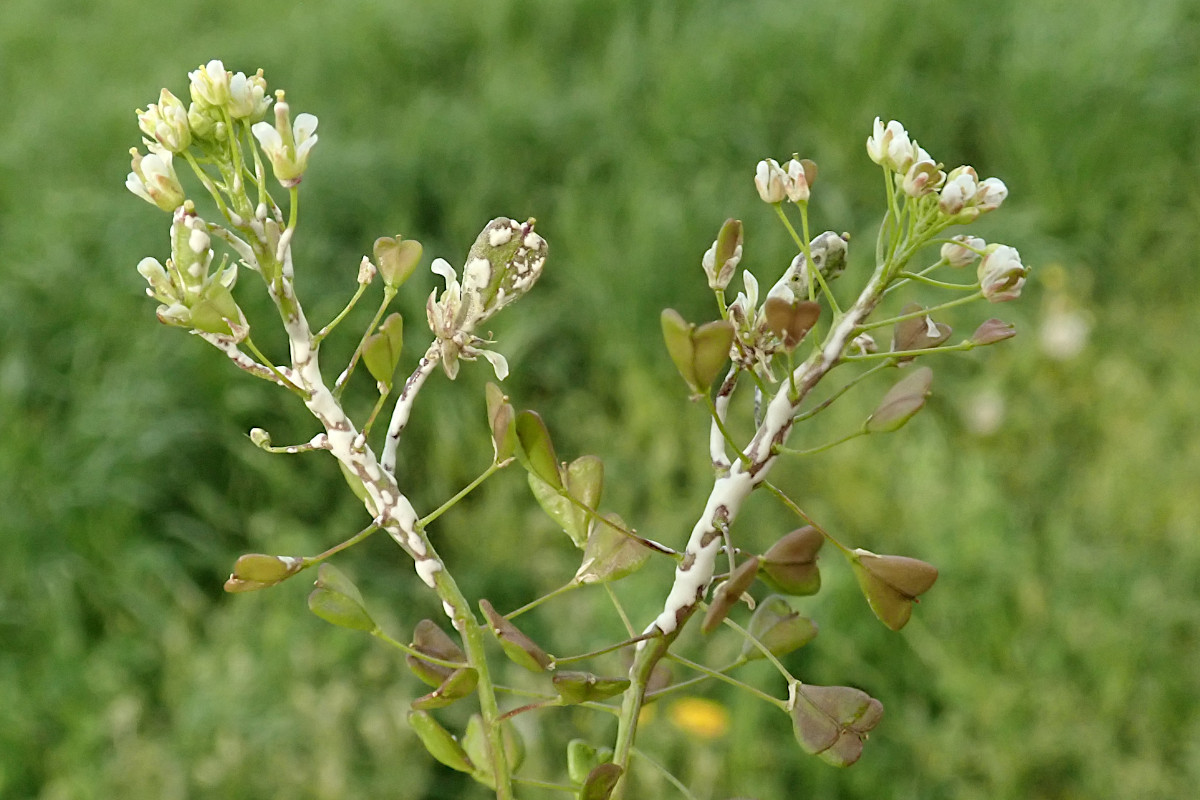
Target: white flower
<point>247,96</point>
<point>923,177</point>
<point>991,194</point>
<point>770,179</point>
<point>153,179</point>
<point>1001,273</point>
<point>166,123</point>
<point>890,146</point>
<point>961,185</point>
<point>796,183</point>
<point>210,84</point>
<point>286,145</point>
<point>963,250</point>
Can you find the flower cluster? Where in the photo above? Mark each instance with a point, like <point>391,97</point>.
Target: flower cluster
<point>190,293</point>
<point>503,264</point>
<point>223,105</point>
<point>960,193</point>
<point>791,182</point>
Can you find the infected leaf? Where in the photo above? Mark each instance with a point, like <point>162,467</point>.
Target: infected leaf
<point>728,593</point>
<point>902,402</point>
<point>892,584</point>
<point>534,449</point>
<point>581,687</point>
<point>519,648</point>
<point>610,554</point>
<point>777,627</point>
<point>832,722</point>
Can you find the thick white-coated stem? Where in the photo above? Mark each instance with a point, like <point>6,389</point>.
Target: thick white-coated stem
<point>404,404</point>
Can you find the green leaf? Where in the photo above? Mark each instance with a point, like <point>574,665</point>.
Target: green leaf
<point>711,343</point>
<point>431,640</point>
<point>396,259</point>
<point>832,721</point>
<point>779,628</point>
<point>458,684</point>
<point>339,609</point>
<point>677,333</point>
<point>892,584</point>
<point>501,421</point>
<point>560,509</point>
<point>582,758</point>
<point>534,449</point>
<point>728,594</point>
<point>610,554</point>
<point>790,565</point>
<point>338,601</point>
<point>581,687</point>
<point>520,649</point>
<point>440,743</point>
<point>381,351</point>
<point>476,746</point>
<point>600,782</point>
<point>902,402</point>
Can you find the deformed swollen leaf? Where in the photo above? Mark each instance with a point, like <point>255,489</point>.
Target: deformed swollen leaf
<point>458,684</point>
<point>892,584</point>
<point>338,601</point>
<point>610,554</point>
<point>728,593</point>
<point>440,743</point>
<point>534,449</point>
<point>581,687</point>
<point>257,571</point>
<point>432,641</point>
<point>832,722</point>
<point>777,627</point>
<point>791,322</point>
<point>902,402</point>
<point>790,565</point>
<point>381,351</point>
<point>600,782</point>
<point>501,419</point>
<point>519,648</point>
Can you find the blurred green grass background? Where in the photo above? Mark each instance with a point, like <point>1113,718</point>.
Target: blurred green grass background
<point>1059,654</point>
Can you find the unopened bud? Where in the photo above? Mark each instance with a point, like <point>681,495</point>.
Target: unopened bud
<point>1001,273</point>
<point>721,260</point>
<point>963,250</point>
<point>770,180</point>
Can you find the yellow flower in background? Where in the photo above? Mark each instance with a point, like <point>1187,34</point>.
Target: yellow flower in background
<point>706,719</point>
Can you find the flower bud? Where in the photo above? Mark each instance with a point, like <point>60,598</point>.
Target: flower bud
<point>721,260</point>
<point>1001,273</point>
<point>796,183</point>
<point>286,145</point>
<point>991,194</point>
<point>963,250</point>
<point>154,180</point>
<point>770,180</point>
<point>166,123</point>
<point>210,84</point>
<point>960,188</point>
<point>923,178</point>
<point>247,96</point>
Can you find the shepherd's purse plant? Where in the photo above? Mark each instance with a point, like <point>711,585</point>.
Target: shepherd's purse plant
<point>248,155</point>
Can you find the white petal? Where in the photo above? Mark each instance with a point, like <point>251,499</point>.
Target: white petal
<point>304,126</point>
<point>498,362</point>
<point>267,136</point>
<point>441,266</point>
